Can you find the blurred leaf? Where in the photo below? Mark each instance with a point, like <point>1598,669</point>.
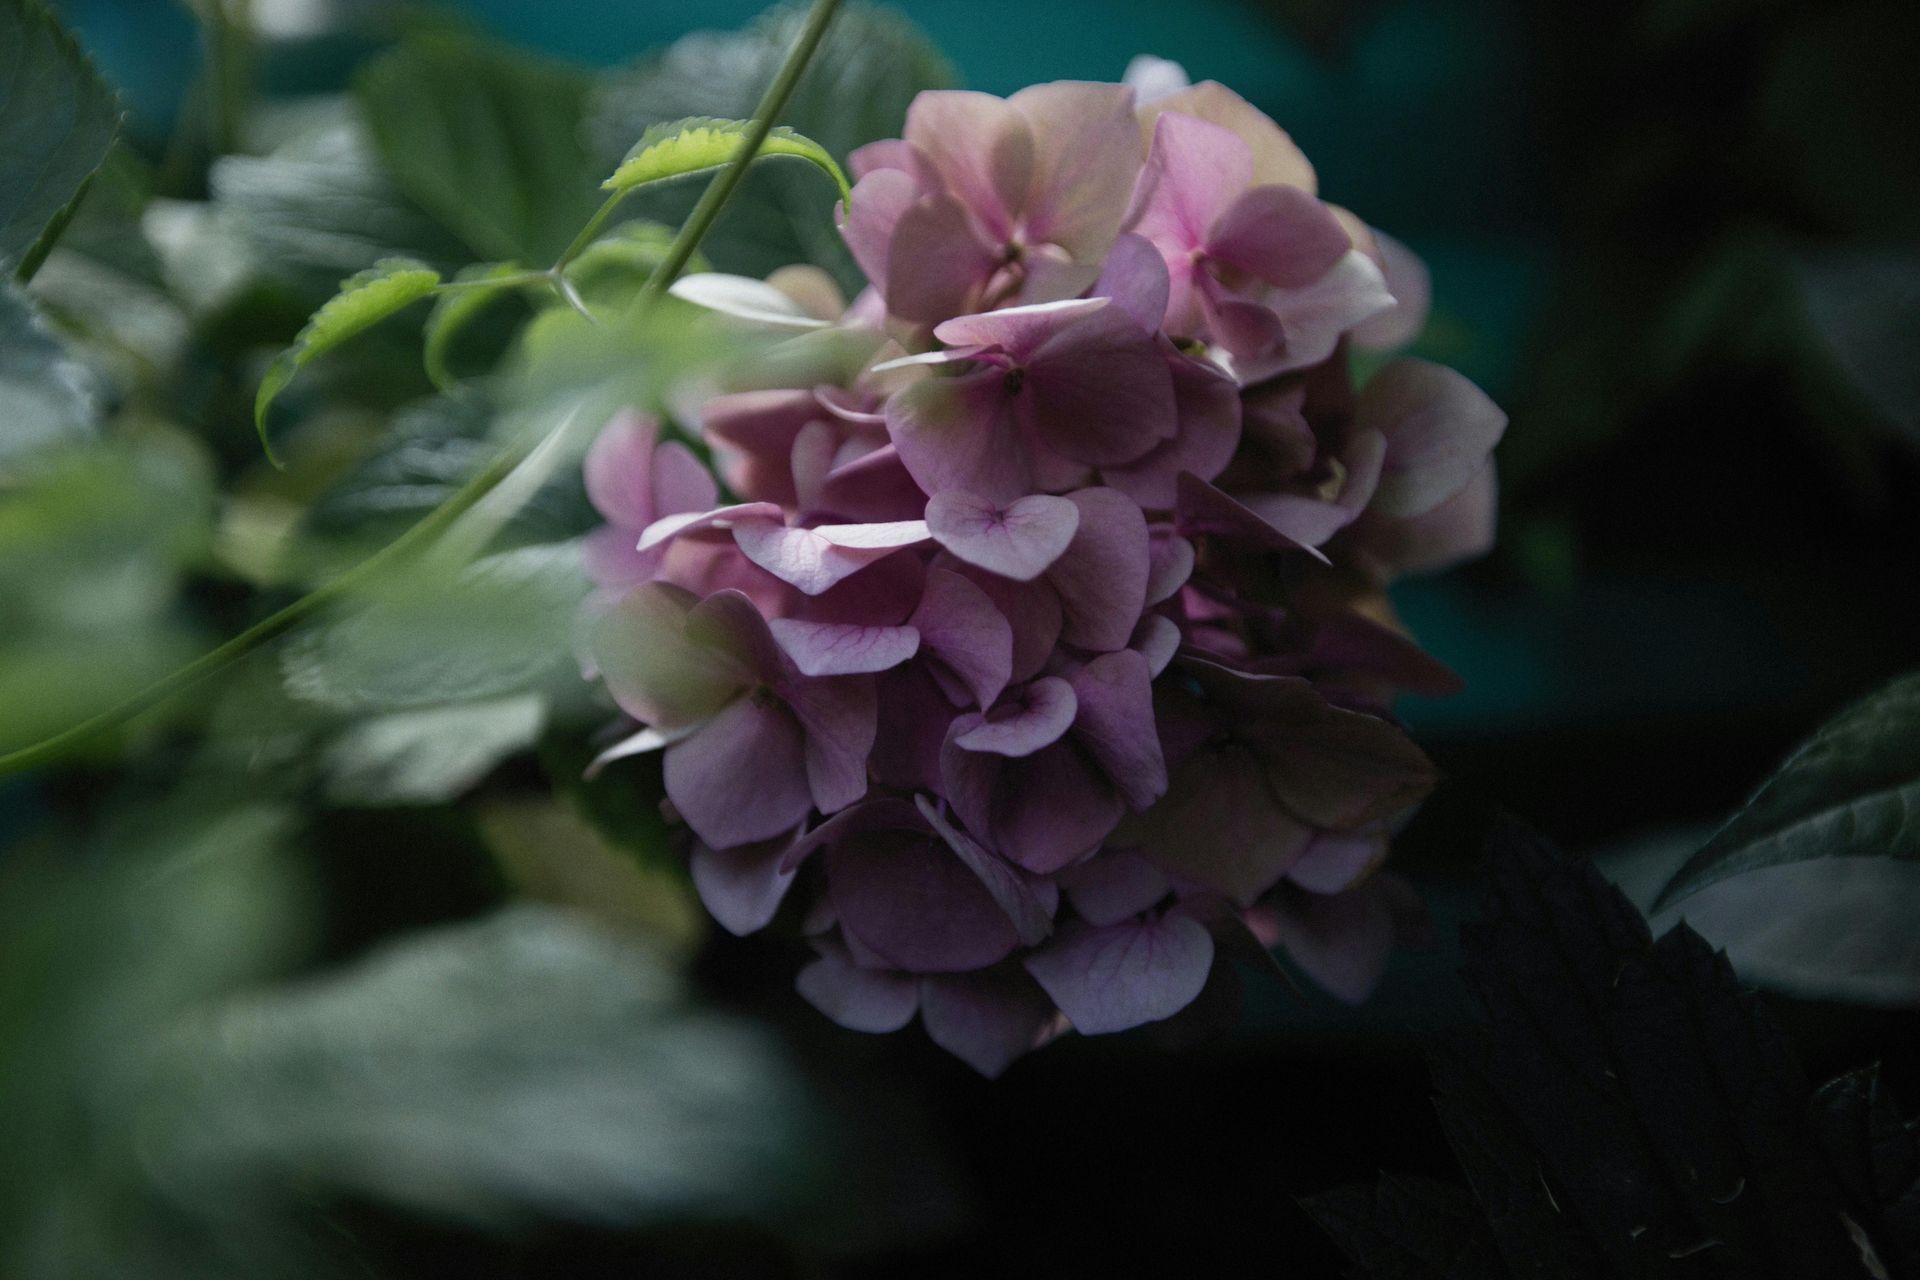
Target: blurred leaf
<point>487,139</point>
<point>1404,1228</point>
<point>58,122</point>
<point>523,1064</point>
<point>610,271</point>
<point>1851,790</point>
<point>555,856</point>
<point>45,394</point>
<point>1865,309</point>
<point>428,756</point>
<point>363,301</point>
<point>703,144</point>
<point>429,637</point>
<point>318,208</point>
<point>855,90</point>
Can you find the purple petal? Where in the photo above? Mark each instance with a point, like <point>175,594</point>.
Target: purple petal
<point>958,432</point>
<point>815,559</point>
<point>842,649</point>
<point>1219,827</point>
<point>1086,153</point>
<point>1275,157</point>
<point>1102,577</point>
<point>654,672</point>
<point>619,470</point>
<point>1098,391</point>
<point>1341,942</point>
<point>1028,902</point>
<point>742,888</point>
<point>1046,812</point>
<point>1280,234</point>
<point>741,776</point>
<point>914,904</point>
<point>1113,886</point>
<point>1459,529</point>
<point>840,716</point>
<point>1118,977</point>
<point>1316,315</point>
<point>1032,609</point>
<point>1169,565</point>
<point>1115,723</point>
<point>681,482</point>
<point>870,1000</point>
<point>962,630</point>
<point>907,742</point>
<point>1135,277</point>
<point>1037,715</point>
<point>1156,639</point>
<point>1016,541</point>
<point>1337,860</point>
<point>884,814</point>
<point>1439,429</point>
<point>1194,170</point>
<point>1208,410</point>
<point>1205,509</point>
<point>987,1020</point>
<point>1018,331</point>
<point>668,528</point>
<point>981,146</point>
<point>880,199</point>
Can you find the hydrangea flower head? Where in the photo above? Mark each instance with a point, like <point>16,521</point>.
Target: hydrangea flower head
<point>1042,661</point>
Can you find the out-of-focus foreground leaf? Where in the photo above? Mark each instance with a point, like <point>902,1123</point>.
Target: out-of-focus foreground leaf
<point>45,394</point>
<point>57,121</point>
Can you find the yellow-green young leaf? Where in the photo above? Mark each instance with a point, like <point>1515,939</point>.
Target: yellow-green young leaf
<point>363,301</point>
<point>701,144</point>
<point>454,308</point>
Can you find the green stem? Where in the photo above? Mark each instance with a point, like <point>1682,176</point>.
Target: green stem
<point>715,197</point>
<point>589,232</point>
<point>482,482</point>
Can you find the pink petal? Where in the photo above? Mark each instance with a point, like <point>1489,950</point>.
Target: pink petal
<point>1208,411</point>
<point>1316,315</point>
<point>742,888</point>
<point>1135,277</point>
<point>1037,715</point>
<point>1280,234</point>
<point>841,648</point>
<point>1459,529</point>
<point>1439,429</point>
<point>1275,157</point>
<point>1337,860</point>
<point>858,999</point>
<point>815,559</point>
<point>1016,541</point>
<point>1086,153</point>
<point>987,1020</point>
<point>619,470</point>
<point>681,482</point>
<point>1113,886</point>
<point>937,261</point>
<point>1032,610</point>
<point>962,630</point>
<point>741,777</point>
<point>1194,170</point>
<point>667,528</point>
<point>880,199</point>
<point>1097,391</point>
<point>1048,811</point>
<point>1204,509</point>
<point>1412,290</point>
<point>1102,577</point>
<point>1018,331</point>
<point>981,146</point>
<point>1118,977</point>
<point>1115,723</point>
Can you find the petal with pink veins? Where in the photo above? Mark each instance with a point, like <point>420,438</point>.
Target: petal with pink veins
<point>816,559</point>
<point>1018,540</point>
<point>1037,715</point>
<point>843,648</point>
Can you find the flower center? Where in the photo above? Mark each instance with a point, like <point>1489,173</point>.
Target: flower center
<point>1016,379</point>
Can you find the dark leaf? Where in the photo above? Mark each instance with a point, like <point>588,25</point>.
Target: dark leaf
<point>1404,1228</point>
<point>1875,1153</point>
<point>57,121</point>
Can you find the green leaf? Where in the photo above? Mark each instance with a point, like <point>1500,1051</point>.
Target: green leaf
<point>486,139</point>
<point>57,121</point>
<point>1850,791</point>
<point>456,308</point>
<point>433,638</point>
<point>363,301</point>
<point>703,144</point>
<point>45,394</point>
<point>428,756</point>
<point>855,90</point>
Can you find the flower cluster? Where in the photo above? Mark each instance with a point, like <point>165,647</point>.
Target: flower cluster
<point>1044,652</point>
